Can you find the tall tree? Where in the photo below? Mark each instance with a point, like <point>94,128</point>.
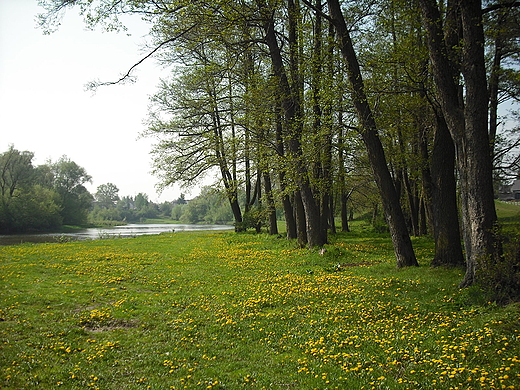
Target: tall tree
<point>27,200</point>
<point>467,122</point>
<point>193,124</point>
<point>400,238</point>
<point>291,103</point>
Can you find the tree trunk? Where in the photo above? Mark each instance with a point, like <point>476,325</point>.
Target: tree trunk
<point>394,215</point>
<point>481,210</point>
<point>301,225</point>
<point>220,153</point>
<point>344,211</point>
<point>446,232</point>
<point>290,220</point>
<point>290,101</point>
<point>341,176</point>
<point>468,127</point>
<point>271,208</point>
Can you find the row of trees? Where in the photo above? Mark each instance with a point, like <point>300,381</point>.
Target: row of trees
<point>43,197</point>
<point>210,207</point>
<point>109,207</point>
<point>301,104</point>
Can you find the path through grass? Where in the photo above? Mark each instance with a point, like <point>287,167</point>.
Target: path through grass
<point>204,310</point>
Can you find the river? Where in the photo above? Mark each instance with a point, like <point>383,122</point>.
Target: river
<point>124,231</point>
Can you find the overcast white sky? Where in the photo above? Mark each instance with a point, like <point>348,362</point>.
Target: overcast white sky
<point>45,109</point>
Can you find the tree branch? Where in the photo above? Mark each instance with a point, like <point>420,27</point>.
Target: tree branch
<point>93,85</point>
<point>494,7</point>
<point>321,13</point>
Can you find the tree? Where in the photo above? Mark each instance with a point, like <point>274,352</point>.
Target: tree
<point>68,180</point>
<point>419,147</point>
<point>467,122</point>
<point>393,212</point>
<point>195,137</point>
<point>107,195</point>
<point>16,171</point>
<point>141,201</point>
<point>290,100</point>
<point>24,203</point>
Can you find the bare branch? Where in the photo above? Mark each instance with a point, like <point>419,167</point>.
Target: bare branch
<point>93,85</point>
<point>494,7</point>
<point>321,13</point>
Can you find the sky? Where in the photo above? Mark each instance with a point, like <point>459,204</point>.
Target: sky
<point>46,109</point>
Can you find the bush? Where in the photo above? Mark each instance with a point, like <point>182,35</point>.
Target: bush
<point>500,279</point>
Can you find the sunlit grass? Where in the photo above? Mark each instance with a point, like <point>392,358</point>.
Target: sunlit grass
<point>227,311</point>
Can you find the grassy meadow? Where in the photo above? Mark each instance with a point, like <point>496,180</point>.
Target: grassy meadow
<point>205,310</point>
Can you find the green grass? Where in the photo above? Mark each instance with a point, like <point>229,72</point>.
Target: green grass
<point>201,310</point>
<point>508,211</point>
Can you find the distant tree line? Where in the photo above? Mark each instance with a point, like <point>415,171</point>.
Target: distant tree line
<point>210,207</point>
<point>48,196</point>
<point>42,197</point>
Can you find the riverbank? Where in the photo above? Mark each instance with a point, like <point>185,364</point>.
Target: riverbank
<point>96,233</point>
<point>225,311</point>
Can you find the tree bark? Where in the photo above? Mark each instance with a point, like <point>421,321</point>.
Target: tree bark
<point>481,205</point>
<point>468,127</point>
<point>301,226</point>
<point>290,219</point>
<point>290,101</point>
<point>341,176</point>
<point>446,231</point>
<point>271,208</point>
<point>394,215</point>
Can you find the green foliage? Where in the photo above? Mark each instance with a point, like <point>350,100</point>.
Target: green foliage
<point>499,278</point>
<point>255,218</point>
<point>41,198</point>
<point>177,211</point>
<point>126,210</point>
<point>107,195</point>
<point>68,179</point>
<point>210,207</point>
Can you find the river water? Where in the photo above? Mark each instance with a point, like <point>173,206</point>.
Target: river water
<point>124,231</point>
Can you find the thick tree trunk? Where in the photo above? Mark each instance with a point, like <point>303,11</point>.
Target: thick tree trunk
<point>481,205</point>
<point>446,232</point>
<point>394,215</point>
<point>468,127</point>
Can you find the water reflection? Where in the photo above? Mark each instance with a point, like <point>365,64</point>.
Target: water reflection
<point>125,231</point>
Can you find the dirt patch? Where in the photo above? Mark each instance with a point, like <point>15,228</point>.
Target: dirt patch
<point>110,325</point>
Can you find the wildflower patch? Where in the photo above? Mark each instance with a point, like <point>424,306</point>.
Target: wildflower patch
<point>221,310</point>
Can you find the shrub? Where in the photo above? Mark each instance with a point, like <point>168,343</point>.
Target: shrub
<point>499,279</point>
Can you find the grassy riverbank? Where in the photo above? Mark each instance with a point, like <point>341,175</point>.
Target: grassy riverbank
<point>226,311</point>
